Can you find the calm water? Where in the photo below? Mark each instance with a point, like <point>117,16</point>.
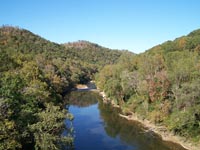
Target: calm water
<point>97,126</point>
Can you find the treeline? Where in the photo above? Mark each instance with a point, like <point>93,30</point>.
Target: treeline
<point>161,85</point>
<point>35,74</point>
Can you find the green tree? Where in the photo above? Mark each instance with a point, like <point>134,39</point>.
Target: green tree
<point>47,131</point>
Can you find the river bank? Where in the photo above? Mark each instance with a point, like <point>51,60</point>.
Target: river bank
<point>151,127</point>
<point>162,131</point>
<point>101,124</point>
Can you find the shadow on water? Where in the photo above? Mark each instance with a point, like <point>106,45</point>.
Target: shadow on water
<point>82,98</point>
<point>98,126</point>
<point>132,132</point>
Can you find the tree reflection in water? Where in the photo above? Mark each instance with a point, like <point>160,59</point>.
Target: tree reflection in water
<point>132,132</point>
<point>82,98</point>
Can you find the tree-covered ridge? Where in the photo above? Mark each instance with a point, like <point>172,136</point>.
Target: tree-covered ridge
<point>24,40</point>
<point>161,85</point>
<point>34,76</point>
<point>93,53</point>
<point>16,42</point>
<point>190,42</point>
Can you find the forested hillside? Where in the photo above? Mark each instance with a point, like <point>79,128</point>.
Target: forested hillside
<point>34,76</point>
<point>93,53</point>
<point>161,85</point>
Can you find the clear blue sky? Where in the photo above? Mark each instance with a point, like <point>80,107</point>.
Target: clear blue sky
<point>136,25</point>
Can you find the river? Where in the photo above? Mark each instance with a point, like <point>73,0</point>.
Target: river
<point>97,126</point>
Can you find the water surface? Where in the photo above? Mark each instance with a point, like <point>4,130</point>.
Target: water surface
<point>97,126</point>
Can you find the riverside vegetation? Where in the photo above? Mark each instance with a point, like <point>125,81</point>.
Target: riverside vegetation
<point>161,85</point>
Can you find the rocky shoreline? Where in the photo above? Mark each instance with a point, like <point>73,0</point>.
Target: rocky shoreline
<point>160,130</point>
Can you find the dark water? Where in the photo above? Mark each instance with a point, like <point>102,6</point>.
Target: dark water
<point>97,126</point>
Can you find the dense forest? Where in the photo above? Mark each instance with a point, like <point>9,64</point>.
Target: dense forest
<point>35,74</point>
<point>161,85</point>
<point>93,53</point>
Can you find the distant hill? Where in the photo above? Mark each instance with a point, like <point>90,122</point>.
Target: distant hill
<point>93,53</point>
<point>81,44</point>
